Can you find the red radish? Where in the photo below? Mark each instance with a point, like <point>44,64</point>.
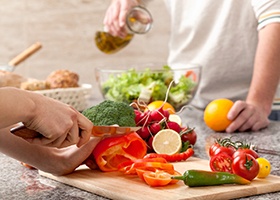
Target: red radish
<point>155,128</point>
<point>138,116</point>
<point>150,143</point>
<point>166,114</point>
<point>174,126</point>
<point>145,119</point>
<point>144,132</point>
<point>157,114</point>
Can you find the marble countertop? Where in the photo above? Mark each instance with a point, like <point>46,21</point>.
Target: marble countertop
<point>19,182</point>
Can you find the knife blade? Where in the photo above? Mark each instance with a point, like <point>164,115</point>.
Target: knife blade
<point>97,131</point>
<point>265,151</point>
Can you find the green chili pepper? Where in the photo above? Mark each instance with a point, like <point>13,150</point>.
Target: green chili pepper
<point>194,178</point>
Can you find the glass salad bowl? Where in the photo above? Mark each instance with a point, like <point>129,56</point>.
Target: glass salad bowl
<point>149,82</point>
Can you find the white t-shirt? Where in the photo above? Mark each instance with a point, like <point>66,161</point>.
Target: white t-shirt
<point>221,36</point>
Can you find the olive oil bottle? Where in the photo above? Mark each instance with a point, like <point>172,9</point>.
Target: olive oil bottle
<point>138,21</point>
<point>110,44</point>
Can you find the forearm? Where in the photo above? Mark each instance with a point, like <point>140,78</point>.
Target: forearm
<point>48,159</point>
<point>267,68</point>
<point>15,106</point>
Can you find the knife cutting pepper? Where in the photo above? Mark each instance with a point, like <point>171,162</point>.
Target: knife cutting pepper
<point>195,178</point>
<point>112,151</point>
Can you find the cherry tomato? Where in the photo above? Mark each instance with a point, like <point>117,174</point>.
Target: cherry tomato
<point>213,148</point>
<point>265,167</point>
<point>245,150</point>
<point>191,74</point>
<point>246,166</point>
<point>221,163</point>
<point>188,134</point>
<point>226,150</point>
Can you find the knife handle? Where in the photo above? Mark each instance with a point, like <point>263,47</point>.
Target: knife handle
<point>24,132</point>
<point>25,54</point>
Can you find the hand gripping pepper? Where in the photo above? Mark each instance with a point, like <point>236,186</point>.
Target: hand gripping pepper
<point>195,178</point>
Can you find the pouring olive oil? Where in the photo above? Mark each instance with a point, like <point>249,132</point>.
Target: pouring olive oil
<point>110,44</point>
<point>138,21</point>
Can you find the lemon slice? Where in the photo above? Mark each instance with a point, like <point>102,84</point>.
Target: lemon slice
<point>167,141</point>
<point>175,118</point>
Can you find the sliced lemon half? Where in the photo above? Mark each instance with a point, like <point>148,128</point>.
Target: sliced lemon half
<point>175,118</point>
<point>167,141</point>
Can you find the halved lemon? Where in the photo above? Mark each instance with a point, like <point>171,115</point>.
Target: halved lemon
<point>175,118</point>
<point>167,141</point>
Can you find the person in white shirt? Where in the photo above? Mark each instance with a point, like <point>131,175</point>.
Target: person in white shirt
<point>236,42</point>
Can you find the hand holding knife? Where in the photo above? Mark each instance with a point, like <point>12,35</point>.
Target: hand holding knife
<point>97,131</point>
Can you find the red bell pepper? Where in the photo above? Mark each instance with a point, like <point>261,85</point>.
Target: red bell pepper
<point>157,178</point>
<point>114,150</point>
<point>173,158</point>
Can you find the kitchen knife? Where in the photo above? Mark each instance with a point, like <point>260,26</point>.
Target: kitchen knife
<point>265,151</point>
<point>97,131</point>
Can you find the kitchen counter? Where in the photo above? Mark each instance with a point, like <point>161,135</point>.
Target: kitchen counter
<point>19,182</point>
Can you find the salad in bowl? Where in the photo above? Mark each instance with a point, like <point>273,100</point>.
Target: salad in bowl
<point>146,84</point>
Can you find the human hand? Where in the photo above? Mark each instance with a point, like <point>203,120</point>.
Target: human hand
<point>65,160</point>
<point>246,116</point>
<point>60,124</point>
<point>115,17</point>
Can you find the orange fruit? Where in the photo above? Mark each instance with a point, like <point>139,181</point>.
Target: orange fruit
<point>157,104</point>
<point>215,114</point>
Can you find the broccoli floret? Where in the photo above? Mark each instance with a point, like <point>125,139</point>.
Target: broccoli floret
<point>111,112</point>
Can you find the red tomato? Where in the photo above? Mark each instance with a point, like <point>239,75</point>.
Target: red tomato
<point>226,150</point>
<point>221,163</point>
<point>188,134</point>
<point>245,150</point>
<point>213,148</point>
<point>246,166</point>
<point>191,74</point>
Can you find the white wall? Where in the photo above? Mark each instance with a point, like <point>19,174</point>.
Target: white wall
<point>66,30</point>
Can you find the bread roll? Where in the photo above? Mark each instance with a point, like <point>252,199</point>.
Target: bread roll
<point>62,78</point>
<point>33,84</point>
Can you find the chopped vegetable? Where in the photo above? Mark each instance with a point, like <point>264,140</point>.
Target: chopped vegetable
<point>110,113</point>
<point>172,158</point>
<point>153,171</point>
<point>112,151</point>
<point>146,164</point>
<point>195,178</point>
<point>157,178</point>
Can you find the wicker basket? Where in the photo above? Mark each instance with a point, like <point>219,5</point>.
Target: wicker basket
<point>76,97</point>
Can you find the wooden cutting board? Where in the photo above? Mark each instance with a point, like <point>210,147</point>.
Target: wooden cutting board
<point>115,185</point>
